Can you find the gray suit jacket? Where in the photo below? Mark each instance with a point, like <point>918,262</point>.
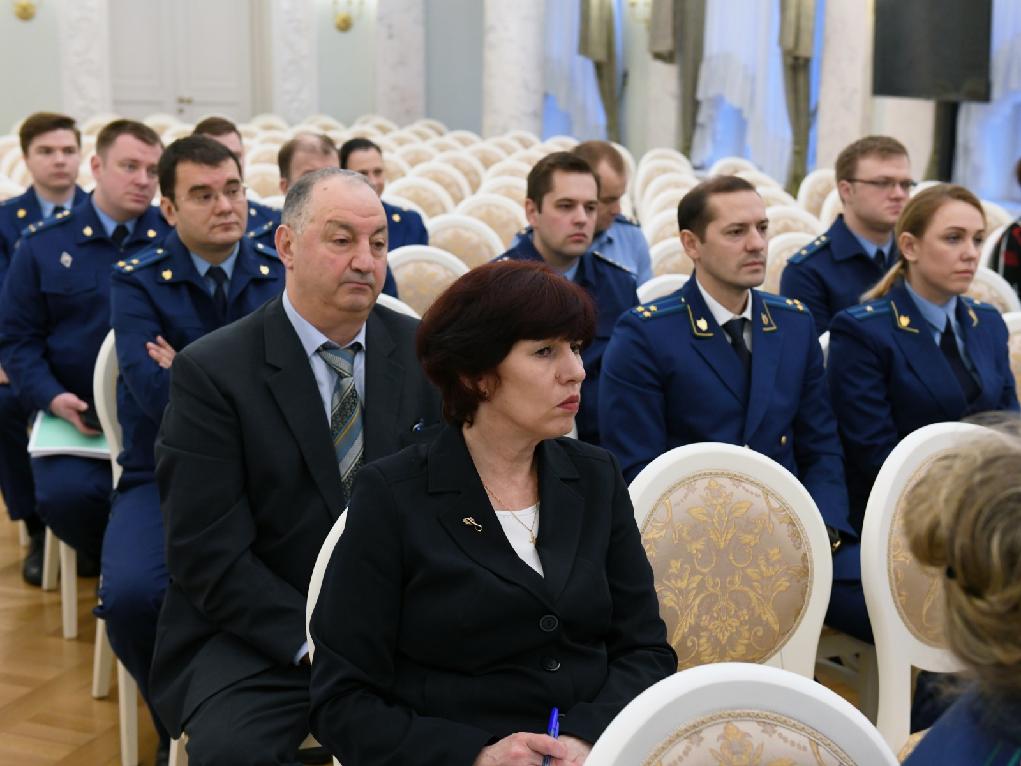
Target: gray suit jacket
<point>249,489</point>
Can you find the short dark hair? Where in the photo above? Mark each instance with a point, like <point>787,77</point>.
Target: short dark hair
<point>216,126</point>
<point>597,152</point>
<point>114,130</point>
<point>540,177</point>
<point>201,150</point>
<point>694,212</point>
<point>470,328</point>
<point>356,145</point>
<point>43,122</point>
<point>870,146</point>
<point>303,142</point>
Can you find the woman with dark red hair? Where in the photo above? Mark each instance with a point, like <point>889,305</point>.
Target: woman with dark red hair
<point>497,573</point>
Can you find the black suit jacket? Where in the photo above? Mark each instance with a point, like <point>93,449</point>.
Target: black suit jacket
<point>433,638</point>
<point>249,489</point>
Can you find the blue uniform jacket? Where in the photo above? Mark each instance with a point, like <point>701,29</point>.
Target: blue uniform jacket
<point>55,310</point>
<point>404,227</point>
<point>164,295</point>
<point>888,378</point>
<point>262,223</point>
<point>625,244</point>
<point>614,291</point>
<point>670,378</point>
<point>16,214</point>
<point>965,734</point>
<point>831,273</point>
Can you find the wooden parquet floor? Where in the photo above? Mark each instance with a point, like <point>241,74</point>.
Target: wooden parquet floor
<point>47,713</point>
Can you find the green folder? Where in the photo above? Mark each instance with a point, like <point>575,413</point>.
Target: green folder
<point>55,436</point>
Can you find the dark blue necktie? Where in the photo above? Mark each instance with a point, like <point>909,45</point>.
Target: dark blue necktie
<point>948,345</point>
<point>218,275</point>
<point>881,260</point>
<point>120,233</point>
<point>735,330</point>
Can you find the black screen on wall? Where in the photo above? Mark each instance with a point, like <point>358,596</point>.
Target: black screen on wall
<point>936,49</point>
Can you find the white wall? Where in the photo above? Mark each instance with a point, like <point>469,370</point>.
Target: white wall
<point>30,61</point>
<point>453,57</point>
<point>347,82</point>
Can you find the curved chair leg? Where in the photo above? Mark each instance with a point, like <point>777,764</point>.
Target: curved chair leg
<point>51,562</point>
<point>102,663</point>
<point>127,704</point>
<point>22,534</point>
<point>178,756</point>
<point>69,590</point>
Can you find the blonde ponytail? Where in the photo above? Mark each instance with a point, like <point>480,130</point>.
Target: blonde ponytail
<point>898,271</point>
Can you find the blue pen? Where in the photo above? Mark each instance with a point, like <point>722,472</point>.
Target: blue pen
<point>553,729</point>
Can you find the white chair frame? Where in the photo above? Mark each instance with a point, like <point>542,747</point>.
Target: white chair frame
<point>660,287</point>
<point>652,717</point>
<point>897,648</point>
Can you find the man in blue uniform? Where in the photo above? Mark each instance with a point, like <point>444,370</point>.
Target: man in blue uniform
<point>874,182</point>
<point>262,219</point>
<point>403,227</point>
<point>720,361</point>
<point>55,313</point>
<point>561,203</point>
<point>204,275</point>
<point>617,237</point>
<point>51,146</point>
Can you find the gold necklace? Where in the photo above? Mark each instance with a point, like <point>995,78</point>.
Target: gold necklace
<point>526,527</point>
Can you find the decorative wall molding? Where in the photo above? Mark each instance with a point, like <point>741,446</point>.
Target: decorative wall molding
<point>295,72</point>
<point>400,60</point>
<point>84,46</point>
<point>512,68</point>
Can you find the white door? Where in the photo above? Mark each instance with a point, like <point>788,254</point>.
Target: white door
<point>189,58</point>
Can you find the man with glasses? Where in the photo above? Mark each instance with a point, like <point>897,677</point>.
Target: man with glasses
<point>55,313</point>
<point>204,275</point>
<point>874,182</point>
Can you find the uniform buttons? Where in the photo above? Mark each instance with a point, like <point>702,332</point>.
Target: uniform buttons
<point>783,440</point>
<point>548,623</point>
<point>550,664</point>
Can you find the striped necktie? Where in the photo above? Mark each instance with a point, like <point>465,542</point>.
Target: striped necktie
<point>345,412</point>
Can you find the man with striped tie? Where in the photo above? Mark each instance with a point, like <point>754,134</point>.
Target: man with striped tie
<point>268,423</point>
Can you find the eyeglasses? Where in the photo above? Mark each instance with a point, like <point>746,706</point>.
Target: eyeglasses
<point>886,184</point>
<point>208,197</point>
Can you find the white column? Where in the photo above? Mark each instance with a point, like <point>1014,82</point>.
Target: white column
<point>845,88</point>
<point>400,60</point>
<point>512,67</point>
<point>663,106</point>
<point>912,121</point>
<point>84,32</point>
<point>295,72</point>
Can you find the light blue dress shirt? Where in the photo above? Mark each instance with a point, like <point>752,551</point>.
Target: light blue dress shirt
<point>937,316</point>
<point>871,248</point>
<point>203,266</point>
<point>109,224</point>
<point>46,207</point>
<point>311,341</point>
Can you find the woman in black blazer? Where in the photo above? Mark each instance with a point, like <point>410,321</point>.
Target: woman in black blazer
<point>496,573</point>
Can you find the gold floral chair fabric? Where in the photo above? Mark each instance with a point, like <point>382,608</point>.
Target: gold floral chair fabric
<point>781,247</point>
<point>668,257</point>
<point>989,287</point>
<point>917,590</point>
<point>502,215</point>
<point>732,566</point>
<point>425,193</point>
<point>420,283</point>
<point>748,738</point>
<point>784,218</point>
<point>472,241</point>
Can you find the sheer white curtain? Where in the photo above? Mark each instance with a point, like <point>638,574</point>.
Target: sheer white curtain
<point>743,109</point>
<point>989,135</point>
<point>570,78</point>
